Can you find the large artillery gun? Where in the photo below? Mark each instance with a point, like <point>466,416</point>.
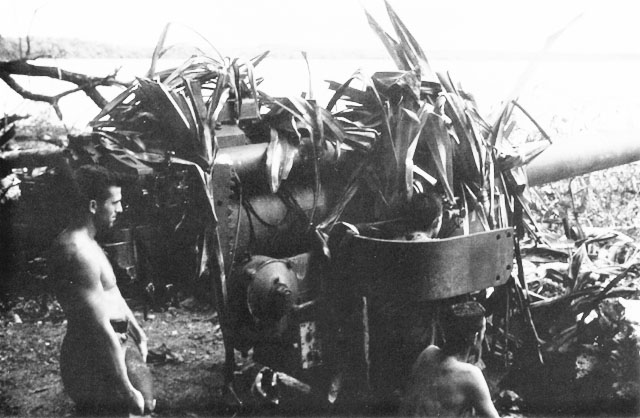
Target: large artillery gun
<point>254,197</point>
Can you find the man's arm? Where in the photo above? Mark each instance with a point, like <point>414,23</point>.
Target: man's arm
<point>479,393</point>
<point>138,333</point>
<point>88,298</point>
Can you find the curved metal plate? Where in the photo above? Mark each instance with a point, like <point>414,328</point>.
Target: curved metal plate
<point>429,270</point>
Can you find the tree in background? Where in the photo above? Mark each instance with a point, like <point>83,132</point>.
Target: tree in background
<point>18,59</point>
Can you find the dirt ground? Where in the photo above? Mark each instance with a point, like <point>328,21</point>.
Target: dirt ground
<point>187,378</point>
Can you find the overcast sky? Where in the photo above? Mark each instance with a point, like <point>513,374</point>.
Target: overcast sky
<point>608,87</point>
<point>492,25</point>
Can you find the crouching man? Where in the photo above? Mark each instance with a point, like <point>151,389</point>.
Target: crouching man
<point>103,354</point>
<point>442,382</point>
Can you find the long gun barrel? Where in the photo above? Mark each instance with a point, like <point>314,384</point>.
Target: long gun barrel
<point>560,161</point>
<point>568,159</point>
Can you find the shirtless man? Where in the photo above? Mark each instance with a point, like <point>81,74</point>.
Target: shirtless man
<point>442,382</point>
<point>102,370</point>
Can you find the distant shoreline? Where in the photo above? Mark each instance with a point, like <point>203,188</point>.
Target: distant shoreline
<point>79,49</point>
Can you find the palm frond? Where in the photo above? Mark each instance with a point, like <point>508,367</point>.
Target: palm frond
<point>390,44</point>
<point>411,47</point>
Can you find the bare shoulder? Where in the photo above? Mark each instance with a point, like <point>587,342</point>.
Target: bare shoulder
<point>73,255</point>
<point>478,392</point>
<point>428,354</point>
<point>429,357</point>
<point>65,245</point>
<point>431,351</point>
<point>70,246</point>
<point>474,380</point>
<point>472,373</point>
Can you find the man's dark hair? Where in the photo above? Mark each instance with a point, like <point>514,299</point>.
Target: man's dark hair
<point>89,182</point>
<point>93,182</point>
<point>460,323</point>
<point>424,208</point>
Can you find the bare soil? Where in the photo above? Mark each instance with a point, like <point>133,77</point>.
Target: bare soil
<point>187,377</point>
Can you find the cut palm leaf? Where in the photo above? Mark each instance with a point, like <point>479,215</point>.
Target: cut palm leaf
<point>259,58</point>
<point>467,158</point>
<point>346,93</point>
<point>477,206</point>
<point>280,156</point>
<point>411,46</point>
<point>405,141</point>
<point>218,99</point>
<point>117,101</point>
<point>189,68</point>
<point>434,135</point>
<point>158,50</point>
<point>194,93</point>
<point>397,82</point>
<point>390,44</point>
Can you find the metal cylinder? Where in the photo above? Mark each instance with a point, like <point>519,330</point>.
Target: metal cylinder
<point>560,161</point>
<point>568,159</point>
<point>249,160</point>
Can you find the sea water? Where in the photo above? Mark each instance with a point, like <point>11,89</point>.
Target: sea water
<point>566,96</point>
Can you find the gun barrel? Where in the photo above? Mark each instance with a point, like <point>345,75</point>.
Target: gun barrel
<point>560,161</point>
<point>568,159</point>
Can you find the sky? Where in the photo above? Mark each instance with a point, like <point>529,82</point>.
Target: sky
<point>603,91</point>
<point>453,25</point>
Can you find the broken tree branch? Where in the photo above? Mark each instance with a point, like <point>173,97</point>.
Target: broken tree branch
<point>85,83</point>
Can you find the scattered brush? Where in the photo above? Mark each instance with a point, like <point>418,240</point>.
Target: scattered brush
<point>586,311</point>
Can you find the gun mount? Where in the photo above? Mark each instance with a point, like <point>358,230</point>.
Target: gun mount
<point>264,200</point>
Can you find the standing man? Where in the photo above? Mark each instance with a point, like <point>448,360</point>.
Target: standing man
<point>103,354</point>
<point>442,382</point>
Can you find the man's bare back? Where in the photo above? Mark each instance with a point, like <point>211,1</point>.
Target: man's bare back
<point>445,386</point>
<point>442,382</point>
